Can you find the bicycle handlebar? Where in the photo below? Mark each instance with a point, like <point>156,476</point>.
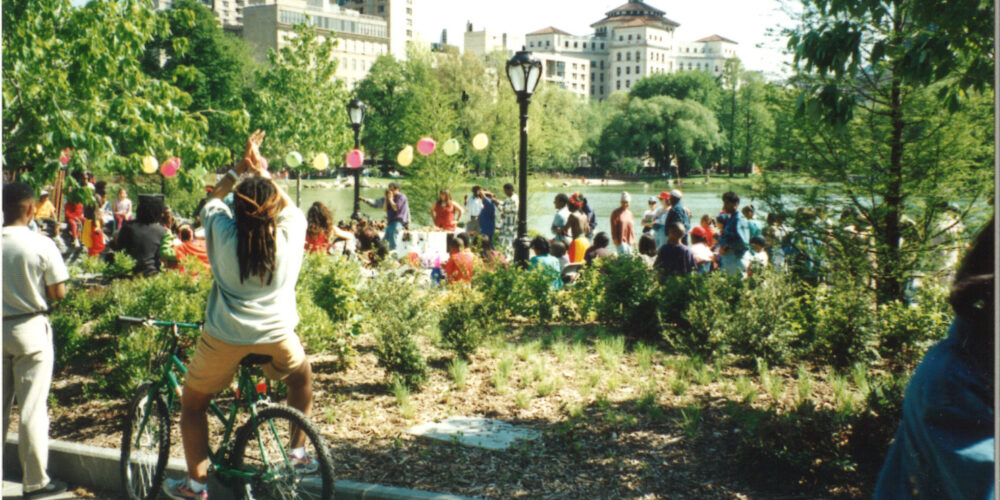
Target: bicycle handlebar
<point>131,320</point>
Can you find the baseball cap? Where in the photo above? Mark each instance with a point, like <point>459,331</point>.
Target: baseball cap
<point>43,193</point>
<point>652,199</point>
<point>626,196</point>
<point>675,194</point>
<point>664,195</point>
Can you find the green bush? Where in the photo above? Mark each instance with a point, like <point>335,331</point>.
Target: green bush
<point>511,291</point>
<point>845,330</point>
<point>327,299</point>
<point>762,325</point>
<point>396,311</point>
<point>625,296</point>
<point>906,331</point>
<point>709,311</point>
<point>466,323</point>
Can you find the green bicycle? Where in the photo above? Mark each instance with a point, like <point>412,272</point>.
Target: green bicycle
<point>254,460</point>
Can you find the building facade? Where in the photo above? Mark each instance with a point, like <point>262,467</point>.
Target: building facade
<point>483,42</point>
<point>632,41</point>
<point>398,15</point>
<point>360,38</point>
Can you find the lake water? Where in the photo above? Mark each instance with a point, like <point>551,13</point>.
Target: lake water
<point>699,198</point>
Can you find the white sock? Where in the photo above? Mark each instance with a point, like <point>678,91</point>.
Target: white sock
<point>299,452</point>
<point>196,486</point>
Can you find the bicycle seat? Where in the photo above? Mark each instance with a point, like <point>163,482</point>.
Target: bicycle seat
<point>255,359</point>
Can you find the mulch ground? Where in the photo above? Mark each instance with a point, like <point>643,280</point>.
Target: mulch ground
<point>610,428</point>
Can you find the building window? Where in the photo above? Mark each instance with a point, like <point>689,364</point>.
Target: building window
<point>409,33</point>
<point>547,42</point>
<point>620,38</point>
<point>602,77</point>
<point>576,45</point>
<point>637,70</point>
<point>637,55</point>
<point>531,44</point>
<point>566,44</point>
<point>628,56</point>
<point>619,71</point>
<point>618,85</point>
<point>602,64</point>
<point>381,9</point>
<point>593,76</point>
<point>602,89</point>
<point>628,70</point>
<point>602,45</point>
<point>409,11</point>
<point>619,56</point>
<point>630,38</point>
<point>628,84</point>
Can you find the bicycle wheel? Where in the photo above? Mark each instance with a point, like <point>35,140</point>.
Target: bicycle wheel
<point>263,447</point>
<point>145,445</point>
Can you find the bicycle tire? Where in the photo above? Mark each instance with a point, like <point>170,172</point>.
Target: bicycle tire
<point>279,480</point>
<point>139,480</point>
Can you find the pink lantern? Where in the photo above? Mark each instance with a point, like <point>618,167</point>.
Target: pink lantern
<point>355,158</point>
<point>65,155</point>
<point>426,146</point>
<point>170,167</point>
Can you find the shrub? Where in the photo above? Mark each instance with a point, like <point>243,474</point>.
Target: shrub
<point>625,300</point>
<point>845,328</point>
<point>510,291</point>
<point>326,295</point>
<point>396,311</point>
<point>906,331</point>
<point>710,308</point>
<point>465,323</point>
<point>761,325</point>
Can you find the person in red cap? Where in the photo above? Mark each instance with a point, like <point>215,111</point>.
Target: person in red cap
<point>660,220</point>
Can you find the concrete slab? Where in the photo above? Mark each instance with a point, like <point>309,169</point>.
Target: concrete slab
<point>474,431</point>
<point>12,491</point>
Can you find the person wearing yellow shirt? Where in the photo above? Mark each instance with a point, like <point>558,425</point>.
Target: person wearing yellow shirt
<point>44,209</point>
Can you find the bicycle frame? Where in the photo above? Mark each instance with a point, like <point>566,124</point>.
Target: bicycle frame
<point>247,393</point>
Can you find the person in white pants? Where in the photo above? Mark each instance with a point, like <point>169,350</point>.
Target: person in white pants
<point>33,271</point>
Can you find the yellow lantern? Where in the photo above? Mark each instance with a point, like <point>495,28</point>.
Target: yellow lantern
<point>450,147</point>
<point>405,156</point>
<point>321,161</point>
<point>480,141</point>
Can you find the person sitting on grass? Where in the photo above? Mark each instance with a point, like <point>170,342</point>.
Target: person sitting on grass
<point>322,232</point>
<point>558,250</point>
<point>256,249</point>
<point>461,261</point>
<point>703,256</point>
<point>756,259</point>
<point>600,248</point>
<point>187,245</point>
<point>647,249</point>
<point>490,257</point>
<point>540,246</point>
<point>674,257</point>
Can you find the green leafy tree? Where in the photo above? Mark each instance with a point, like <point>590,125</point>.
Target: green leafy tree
<point>390,99</point>
<point>300,103</point>
<point>72,78</point>
<point>214,67</point>
<point>882,81</point>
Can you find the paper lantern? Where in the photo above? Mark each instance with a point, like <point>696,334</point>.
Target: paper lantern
<point>293,159</point>
<point>355,158</point>
<point>450,147</point>
<point>405,156</point>
<point>149,165</point>
<point>65,155</point>
<point>170,167</point>
<point>480,141</point>
<point>321,161</point>
<point>426,146</point>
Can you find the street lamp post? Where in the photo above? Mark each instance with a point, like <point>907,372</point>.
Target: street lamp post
<point>356,112</point>
<point>523,71</point>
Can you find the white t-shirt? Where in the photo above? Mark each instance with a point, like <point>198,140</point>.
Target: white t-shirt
<point>30,263</point>
<point>701,253</point>
<point>252,312</point>
<point>473,206</point>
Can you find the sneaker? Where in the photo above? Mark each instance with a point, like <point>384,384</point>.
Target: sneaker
<point>304,465</point>
<point>52,488</point>
<point>178,489</point>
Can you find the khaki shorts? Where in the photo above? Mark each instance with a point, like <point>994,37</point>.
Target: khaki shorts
<point>215,362</point>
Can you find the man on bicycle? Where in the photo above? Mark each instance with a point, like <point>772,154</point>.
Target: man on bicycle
<point>255,249</point>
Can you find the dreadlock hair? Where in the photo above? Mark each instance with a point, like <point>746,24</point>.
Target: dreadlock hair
<point>256,205</point>
<point>320,220</point>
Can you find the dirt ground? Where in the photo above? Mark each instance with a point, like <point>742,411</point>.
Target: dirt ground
<point>614,422</point>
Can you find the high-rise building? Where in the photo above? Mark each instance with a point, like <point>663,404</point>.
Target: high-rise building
<point>632,41</point>
<point>483,42</point>
<point>399,16</point>
<point>229,12</point>
<point>360,38</point>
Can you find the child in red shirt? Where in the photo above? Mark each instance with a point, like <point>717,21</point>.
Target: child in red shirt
<point>460,261</point>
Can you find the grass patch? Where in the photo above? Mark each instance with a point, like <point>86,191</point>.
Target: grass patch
<point>679,386</point>
<point>690,420</point>
<point>644,354</point>
<point>611,349</point>
<point>803,386</point>
<point>458,370</point>
<point>502,374</point>
<point>522,399</point>
<point>745,389</point>
<point>402,395</point>
<point>547,387</point>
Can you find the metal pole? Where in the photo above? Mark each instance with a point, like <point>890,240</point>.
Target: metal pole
<point>522,243</point>
<point>357,175</point>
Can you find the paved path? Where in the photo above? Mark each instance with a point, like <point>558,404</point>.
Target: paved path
<point>12,491</point>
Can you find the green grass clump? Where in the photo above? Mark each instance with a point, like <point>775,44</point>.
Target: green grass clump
<point>502,374</point>
<point>804,385</point>
<point>679,386</point>
<point>611,349</point>
<point>644,354</point>
<point>402,394</point>
<point>522,400</point>
<point>745,389</point>
<point>458,370</point>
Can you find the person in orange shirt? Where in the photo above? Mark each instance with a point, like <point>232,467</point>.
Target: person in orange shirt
<point>460,261</point>
<point>187,245</point>
<point>446,211</point>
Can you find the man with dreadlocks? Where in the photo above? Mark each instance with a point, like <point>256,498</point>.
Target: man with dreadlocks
<point>255,250</point>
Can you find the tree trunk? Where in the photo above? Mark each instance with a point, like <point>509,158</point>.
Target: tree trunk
<point>732,133</point>
<point>298,188</point>
<point>747,161</point>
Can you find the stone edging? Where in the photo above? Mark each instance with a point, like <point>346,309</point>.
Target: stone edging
<point>98,468</point>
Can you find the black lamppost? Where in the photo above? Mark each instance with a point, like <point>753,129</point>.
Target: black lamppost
<point>523,71</point>
<point>356,112</point>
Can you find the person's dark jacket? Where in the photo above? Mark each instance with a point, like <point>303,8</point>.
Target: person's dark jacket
<point>142,243</point>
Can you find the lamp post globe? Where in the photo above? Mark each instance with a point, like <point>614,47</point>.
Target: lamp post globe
<point>524,71</point>
<point>356,113</point>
